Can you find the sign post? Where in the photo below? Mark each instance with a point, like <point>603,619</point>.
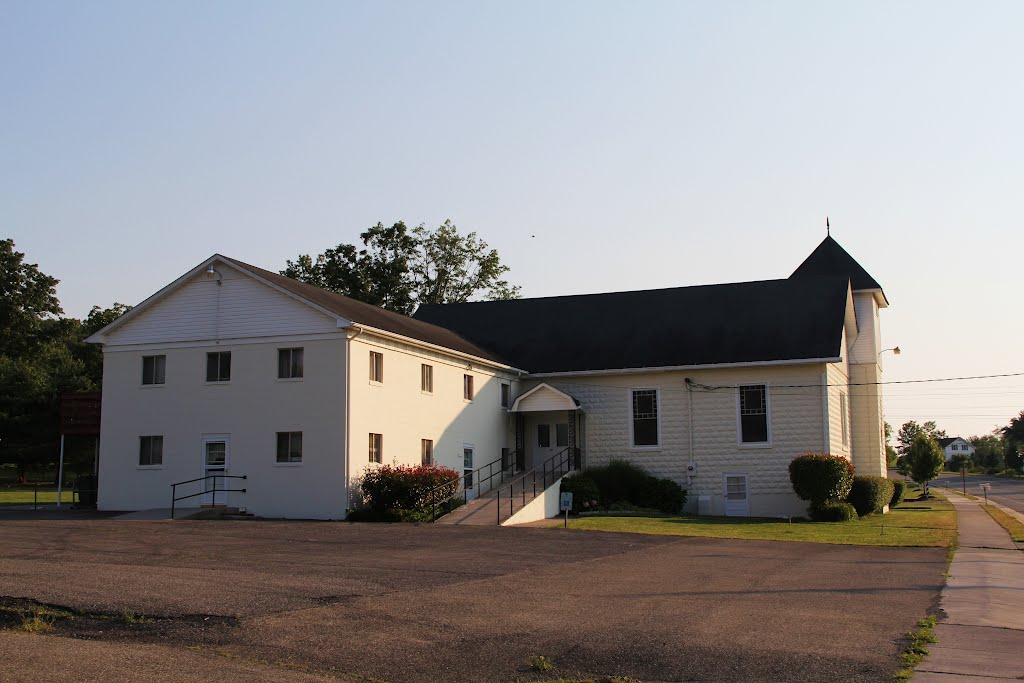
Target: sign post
<point>565,503</point>
<point>984,489</point>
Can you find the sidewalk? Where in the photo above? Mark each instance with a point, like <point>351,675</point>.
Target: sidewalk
<point>981,635</point>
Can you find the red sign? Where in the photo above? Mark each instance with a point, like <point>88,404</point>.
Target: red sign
<point>80,413</point>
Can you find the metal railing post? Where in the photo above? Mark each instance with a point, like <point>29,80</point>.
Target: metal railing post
<point>35,497</point>
<point>174,497</point>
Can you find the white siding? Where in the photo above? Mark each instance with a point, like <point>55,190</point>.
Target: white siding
<point>250,409</point>
<point>866,347</point>
<point>796,427</point>
<point>838,375</point>
<point>240,307</point>
<point>397,409</point>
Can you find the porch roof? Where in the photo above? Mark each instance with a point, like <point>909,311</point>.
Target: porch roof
<point>544,397</point>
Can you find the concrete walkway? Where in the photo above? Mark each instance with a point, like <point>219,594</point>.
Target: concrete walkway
<point>981,636</point>
<point>158,513</point>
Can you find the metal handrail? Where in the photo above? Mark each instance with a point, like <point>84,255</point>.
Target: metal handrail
<point>212,492</point>
<point>473,477</point>
<point>564,457</point>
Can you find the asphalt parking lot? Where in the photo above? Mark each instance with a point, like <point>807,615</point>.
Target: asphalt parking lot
<point>291,601</point>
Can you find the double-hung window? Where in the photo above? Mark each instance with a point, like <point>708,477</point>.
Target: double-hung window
<point>376,448</point>
<point>151,451</point>
<point>562,435</point>
<point>506,395</point>
<point>645,417</point>
<point>289,363</point>
<point>467,387</point>
<point>427,378</point>
<point>154,369</point>
<point>754,414</point>
<point>376,367</point>
<point>426,451</point>
<point>218,366</point>
<point>289,447</point>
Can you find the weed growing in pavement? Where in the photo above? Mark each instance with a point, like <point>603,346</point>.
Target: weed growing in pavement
<point>130,617</point>
<point>916,651</point>
<point>541,663</point>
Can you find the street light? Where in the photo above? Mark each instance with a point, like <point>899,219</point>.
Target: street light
<point>895,351</point>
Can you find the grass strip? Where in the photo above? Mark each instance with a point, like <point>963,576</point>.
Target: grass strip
<point>915,523</point>
<point>1012,525</point>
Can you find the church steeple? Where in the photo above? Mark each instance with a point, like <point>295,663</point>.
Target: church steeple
<point>831,259</point>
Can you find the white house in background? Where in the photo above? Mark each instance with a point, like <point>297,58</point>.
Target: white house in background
<point>956,446</point>
<point>234,370</point>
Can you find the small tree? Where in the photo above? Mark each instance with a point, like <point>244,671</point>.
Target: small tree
<point>960,461</point>
<point>925,459</point>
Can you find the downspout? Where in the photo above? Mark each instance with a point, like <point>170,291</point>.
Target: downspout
<point>689,434</point>
<point>348,418</point>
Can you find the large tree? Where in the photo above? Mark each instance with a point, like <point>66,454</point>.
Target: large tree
<point>989,450</point>
<point>28,298</point>
<point>910,429</point>
<point>398,268</point>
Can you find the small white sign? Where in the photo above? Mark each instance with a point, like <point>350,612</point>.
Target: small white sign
<point>986,486</point>
<point>565,503</point>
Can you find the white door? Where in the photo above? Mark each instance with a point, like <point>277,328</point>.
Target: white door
<point>737,499</point>
<point>549,439</point>
<point>467,471</point>
<point>215,466</point>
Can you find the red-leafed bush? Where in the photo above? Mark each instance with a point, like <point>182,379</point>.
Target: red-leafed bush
<point>392,489</point>
<point>820,477</point>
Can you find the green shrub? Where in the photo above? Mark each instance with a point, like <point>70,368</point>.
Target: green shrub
<point>621,481</point>
<point>899,492</point>
<point>820,477</point>
<point>926,460</point>
<point>869,495</point>
<point>585,494</point>
<point>392,490</point>
<point>832,511</point>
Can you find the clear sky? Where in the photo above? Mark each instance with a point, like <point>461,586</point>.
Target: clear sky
<point>598,146</point>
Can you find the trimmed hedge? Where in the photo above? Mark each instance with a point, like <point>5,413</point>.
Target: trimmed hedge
<point>832,511</point>
<point>820,477</point>
<point>621,481</point>
<point>899,492</point>
<point>869,495</point>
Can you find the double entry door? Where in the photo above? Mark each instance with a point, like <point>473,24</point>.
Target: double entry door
<point>215,467</point>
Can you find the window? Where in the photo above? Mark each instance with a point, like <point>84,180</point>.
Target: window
<point>544,436</point>
<point>427,378</point>
<point>506,395</point>
<point>467,387</point>
<point>151,451</point>
<point>842,417</point>
<point>426,452</point>
<point>376,366</point>
<point>218,366</point>
<point>376,447</point>
<point>153,369</point>
<point>289,363</point>
<point>289,446</point>
<point>562,435</point>
<point>645,417</point>
<point>754,413</point>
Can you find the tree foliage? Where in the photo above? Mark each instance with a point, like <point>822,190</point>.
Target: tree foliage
<point>925,459</point>
<point>399,269</point>
<point>989,450</point>
<point>1013,435</point>
<point>910,429</point>
<point>41,357</point>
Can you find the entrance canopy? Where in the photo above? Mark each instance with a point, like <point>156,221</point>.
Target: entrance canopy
<point>544,397</point>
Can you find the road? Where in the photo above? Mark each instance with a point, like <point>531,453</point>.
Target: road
<point>1008,492</point>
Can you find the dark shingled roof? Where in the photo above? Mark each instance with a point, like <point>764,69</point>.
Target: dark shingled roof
<point>773,320</point>
<point>372,316</point>
<point>830,259</point>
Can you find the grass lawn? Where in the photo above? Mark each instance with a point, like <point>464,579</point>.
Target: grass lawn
<point>22,495</point>
<point>930,523</point>
<point>1008,522</point>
